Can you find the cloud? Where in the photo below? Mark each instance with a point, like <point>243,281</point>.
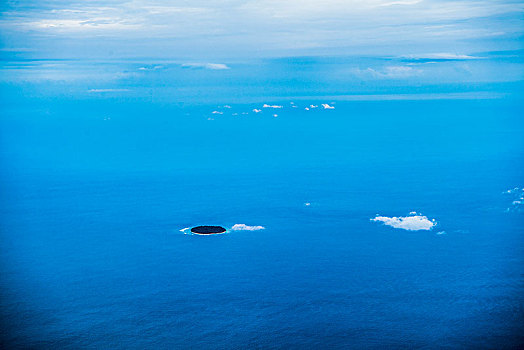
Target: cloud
<point>243,227</point>
<point>151,68</point>
<point>271,106</point>
<point>72,25</point>
<point>326,106</point>
<point>443,56</point>
<point>513,190</point>
<point>257,110</point>
<point>389,72</point>
<point>212,66</point>
<point>413,222</point>
<point>264,27</point>
<point>517,199</point>
<point>217,112</point>
<point>475,95</point>
<point>393,3</point>
<point>108,90</point>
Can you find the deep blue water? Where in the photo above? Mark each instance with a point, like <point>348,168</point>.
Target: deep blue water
<point>94,194</point>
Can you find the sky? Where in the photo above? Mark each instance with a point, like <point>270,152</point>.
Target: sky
<point>262,28</point>
<point>379,43</point>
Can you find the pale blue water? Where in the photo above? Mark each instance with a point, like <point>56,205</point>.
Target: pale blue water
<point>95,191</point>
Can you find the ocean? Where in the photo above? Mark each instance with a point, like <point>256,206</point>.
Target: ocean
<point>97,188</point>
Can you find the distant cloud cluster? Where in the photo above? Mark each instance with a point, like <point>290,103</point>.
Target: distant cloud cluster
<point>212,66</point>
<point>516,196</point>
<point>243,227</point>
<point>389,72</point>
<point>145,68</point>
<point>412,222</point>
<point>443,56</point>
<point>108,90</point>
<point>216,113</point>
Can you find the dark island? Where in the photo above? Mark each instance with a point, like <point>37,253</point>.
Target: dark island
<point>208,230</point>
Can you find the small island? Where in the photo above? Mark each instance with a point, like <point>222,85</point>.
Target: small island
<point>208,230</point>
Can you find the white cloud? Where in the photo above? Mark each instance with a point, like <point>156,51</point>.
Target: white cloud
<point>243,227</point>
<point>517,199</point>
<point>417,96</point>
<point>271,106</point>
<point>212,66</point>
<point>257,110</point>
<point>389,72</point>
<point>108,90</point>
<point>327,106</point>
<point>217,112</point>
<point>392,3</point>
<point>444,56</point>
<point>410,223</point>
<point>71,25</point>
<point>150,68</point>
<point>514,190</point>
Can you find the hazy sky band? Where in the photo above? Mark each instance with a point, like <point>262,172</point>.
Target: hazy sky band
<point>212,30</point>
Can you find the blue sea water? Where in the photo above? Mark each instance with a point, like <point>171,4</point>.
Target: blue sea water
<point>95,192</point>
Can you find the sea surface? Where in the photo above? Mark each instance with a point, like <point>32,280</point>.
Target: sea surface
<point>95,193</point>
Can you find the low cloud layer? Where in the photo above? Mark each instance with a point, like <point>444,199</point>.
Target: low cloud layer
<point>389,72</point>
<point>138,28</point>
<point>441,56</point>
<point>243,227</point>
<point>108,90</point>
<point>412,222</point>
<point>212,66</point>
